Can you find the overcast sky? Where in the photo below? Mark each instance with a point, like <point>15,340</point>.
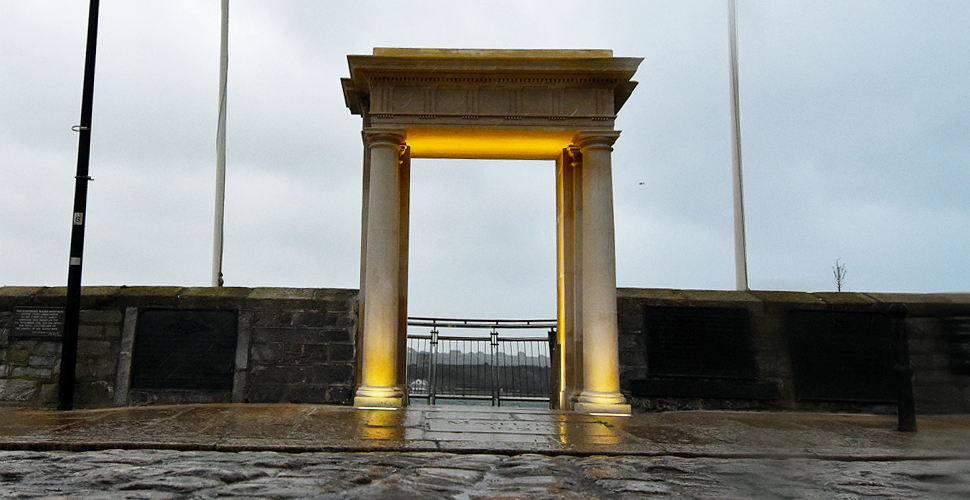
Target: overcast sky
<point>855,120</point>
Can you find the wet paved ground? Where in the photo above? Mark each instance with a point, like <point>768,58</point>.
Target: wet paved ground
<point>302,451</point>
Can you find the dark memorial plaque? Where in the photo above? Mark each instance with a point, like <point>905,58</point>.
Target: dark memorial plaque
<point>842,356</point>
<point>956,333</point>
<point>680,387</point>
<point>184,349</point>
<point>699,342</point>
<point>38,323</point>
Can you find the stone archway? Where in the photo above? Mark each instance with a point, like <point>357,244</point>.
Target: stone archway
<point>503,104</point>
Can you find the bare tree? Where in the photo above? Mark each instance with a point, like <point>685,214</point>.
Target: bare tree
<point>839,273</point>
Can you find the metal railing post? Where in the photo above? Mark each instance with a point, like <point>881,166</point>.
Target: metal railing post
<point>495,384</point>
<point>432,371</point>
<point>555,365</point>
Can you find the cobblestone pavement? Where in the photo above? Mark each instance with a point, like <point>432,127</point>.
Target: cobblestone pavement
<point>161,474</point>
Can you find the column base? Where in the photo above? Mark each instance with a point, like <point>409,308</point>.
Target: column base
<point>611,403</point>
<point>379,397</point>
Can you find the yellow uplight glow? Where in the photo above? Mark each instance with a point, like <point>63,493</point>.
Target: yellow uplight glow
<point>488,143</point>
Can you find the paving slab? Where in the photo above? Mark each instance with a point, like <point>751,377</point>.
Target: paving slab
<point>474,429</point>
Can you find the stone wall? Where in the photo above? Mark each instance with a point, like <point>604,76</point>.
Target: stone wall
<point>298,345</point>
<point>302,351</point>
<point>29,369</point>
<point>292,345</point>
<point>939,350</point>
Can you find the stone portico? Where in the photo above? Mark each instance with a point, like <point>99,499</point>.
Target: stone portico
<point>556,105</point>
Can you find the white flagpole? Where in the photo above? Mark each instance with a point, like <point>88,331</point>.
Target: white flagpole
<point>221,151</point>
<point>740,247</point>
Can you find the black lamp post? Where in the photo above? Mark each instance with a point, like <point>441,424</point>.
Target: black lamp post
<point>65,393</point>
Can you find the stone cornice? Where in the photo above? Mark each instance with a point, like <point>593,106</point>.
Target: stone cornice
<point>586,69</point>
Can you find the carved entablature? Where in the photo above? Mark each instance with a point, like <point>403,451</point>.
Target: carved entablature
<point>503,102</point>
<point>490,88</point>
<point>436,97</point>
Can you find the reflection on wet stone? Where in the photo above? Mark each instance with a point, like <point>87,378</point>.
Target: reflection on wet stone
<point>495,427</point>
<point>382,424</point>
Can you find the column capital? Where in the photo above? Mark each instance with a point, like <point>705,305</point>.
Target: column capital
<point>573,155</point>
<point>596,139</point>
<point>389,136</point>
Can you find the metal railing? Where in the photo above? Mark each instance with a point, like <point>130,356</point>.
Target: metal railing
<point>473,366</point>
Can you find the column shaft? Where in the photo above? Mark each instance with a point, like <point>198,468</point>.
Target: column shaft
<point>601,380</point>
<point>403,252</point>
<point>363,250</point>
<point>566,281</point>
<point>380,383</point>
<point>570,272</point>
<point>576,386</point>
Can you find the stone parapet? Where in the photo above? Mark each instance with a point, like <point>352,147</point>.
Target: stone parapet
<point>300,346</point>
<point>938,327</point>
<point>293,345</point>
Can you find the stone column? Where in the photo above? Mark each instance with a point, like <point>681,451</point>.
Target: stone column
<point>565,257</point>
<point>601,364</point>
<point>380,384</point>
<point>568,219</point>
<point>403,252</point>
